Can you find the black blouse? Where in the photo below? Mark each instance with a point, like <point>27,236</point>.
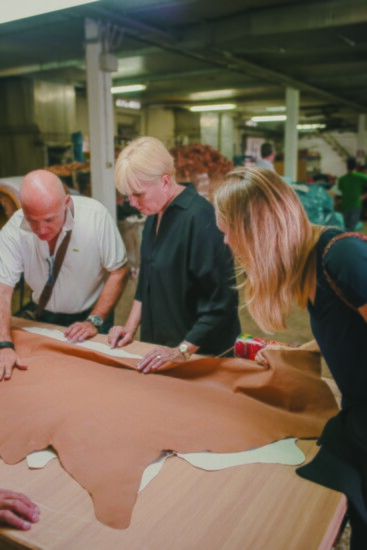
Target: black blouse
<point>186,278</point>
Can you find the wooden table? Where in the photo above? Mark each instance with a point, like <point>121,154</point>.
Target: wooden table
<point>250,507</point>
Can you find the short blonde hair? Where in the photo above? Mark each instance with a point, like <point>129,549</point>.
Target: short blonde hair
<point>272,239</point>
<point>144,160</point>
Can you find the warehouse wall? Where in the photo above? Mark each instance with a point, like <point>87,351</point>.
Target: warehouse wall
<point>128,125</point>
<point>21,146</point>
<point>331,161</point>
<point>187,127</point>
<point>218,130</point>
<point>160,123</point>
<point>54,110</point>
<point>34,115</point>
<point>81,113</point>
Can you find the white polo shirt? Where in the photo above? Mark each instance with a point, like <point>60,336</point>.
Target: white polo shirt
<point>95,248</point>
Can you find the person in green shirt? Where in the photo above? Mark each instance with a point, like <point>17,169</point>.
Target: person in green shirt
<point>352,186</point>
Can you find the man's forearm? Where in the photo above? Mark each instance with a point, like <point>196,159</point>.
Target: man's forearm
<point>112,290</point>
<point>6,293</point>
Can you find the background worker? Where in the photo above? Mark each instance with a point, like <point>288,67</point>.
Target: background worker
<point>353,188</point>
<point>93,273</point>
<point>185,299</point>
<point>287,259</point>
<point>267,156</point>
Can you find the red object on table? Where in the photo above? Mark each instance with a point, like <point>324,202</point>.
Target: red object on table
<point>247,346</point>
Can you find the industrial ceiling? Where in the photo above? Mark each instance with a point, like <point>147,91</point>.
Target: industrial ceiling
<point>247,52</point>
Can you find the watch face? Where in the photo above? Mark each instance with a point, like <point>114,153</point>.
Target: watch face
<point>184,349</point>
<point>96,320</point>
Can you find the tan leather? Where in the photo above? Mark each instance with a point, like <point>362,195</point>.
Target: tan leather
<point>107,422</point>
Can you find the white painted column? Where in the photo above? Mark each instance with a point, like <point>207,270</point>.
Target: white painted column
<point>160,123</point>
<point>227,136</point>
<point>361,139</point>
<point>209,127</point>
<point>291,134</point>
<point>101,127</point>
<point>219,130</point>
<point>237,138</point>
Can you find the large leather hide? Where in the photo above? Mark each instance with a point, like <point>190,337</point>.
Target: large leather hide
<point>107,421</point>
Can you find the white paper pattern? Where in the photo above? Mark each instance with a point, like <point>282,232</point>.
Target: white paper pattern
<point>95,346</point>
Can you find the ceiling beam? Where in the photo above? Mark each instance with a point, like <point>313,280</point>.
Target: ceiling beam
<point>227,61</point>
<point>273,21</point>
<point>29,69</point>
<point>236,64</point>
<point>159,77</point>
<point>214,56</point>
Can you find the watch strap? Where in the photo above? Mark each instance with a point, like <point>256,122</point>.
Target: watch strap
<point>183,348</point>
<point>6,344</point>
<point>95,320</point>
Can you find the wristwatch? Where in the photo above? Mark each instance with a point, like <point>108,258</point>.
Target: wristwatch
<point>95,320</point>
<point>183,348</point>
<point>6,344</point>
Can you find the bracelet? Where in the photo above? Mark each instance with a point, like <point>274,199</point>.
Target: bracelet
<point>6,344</point>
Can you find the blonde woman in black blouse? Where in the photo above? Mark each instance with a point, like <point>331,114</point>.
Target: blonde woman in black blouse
<point>185,301</point>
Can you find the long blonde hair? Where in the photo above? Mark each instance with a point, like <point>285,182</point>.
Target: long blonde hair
<point>145,159</point>
<point>272,240</point>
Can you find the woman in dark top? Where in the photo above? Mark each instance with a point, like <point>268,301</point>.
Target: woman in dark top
<point>287,259</point>
<point>185,300</point>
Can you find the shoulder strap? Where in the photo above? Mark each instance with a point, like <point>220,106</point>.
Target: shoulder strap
<point>59,258</point>
<point>47,289</point>
<point>333,285</point>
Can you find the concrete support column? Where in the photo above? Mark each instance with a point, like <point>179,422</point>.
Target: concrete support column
<point>160,123</point>
<point>237,138</point>
<point>361,139</point>
<point>100,114</point>
<point>227,136</point>
<point>291,134</point>
<point>209,129</point>
<point>220,131</point>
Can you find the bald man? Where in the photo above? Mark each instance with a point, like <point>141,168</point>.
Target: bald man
<point>93,274</point>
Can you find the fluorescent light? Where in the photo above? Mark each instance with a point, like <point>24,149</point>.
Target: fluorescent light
<point>213,94</point>
<point>280,118</point>
<point>219,107</point>
<point>316,126</point>
<point>279,109</point>
<point>21,9</point>
<point>269,118</point>
<point>128,104</point>
<point>127,89</point>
